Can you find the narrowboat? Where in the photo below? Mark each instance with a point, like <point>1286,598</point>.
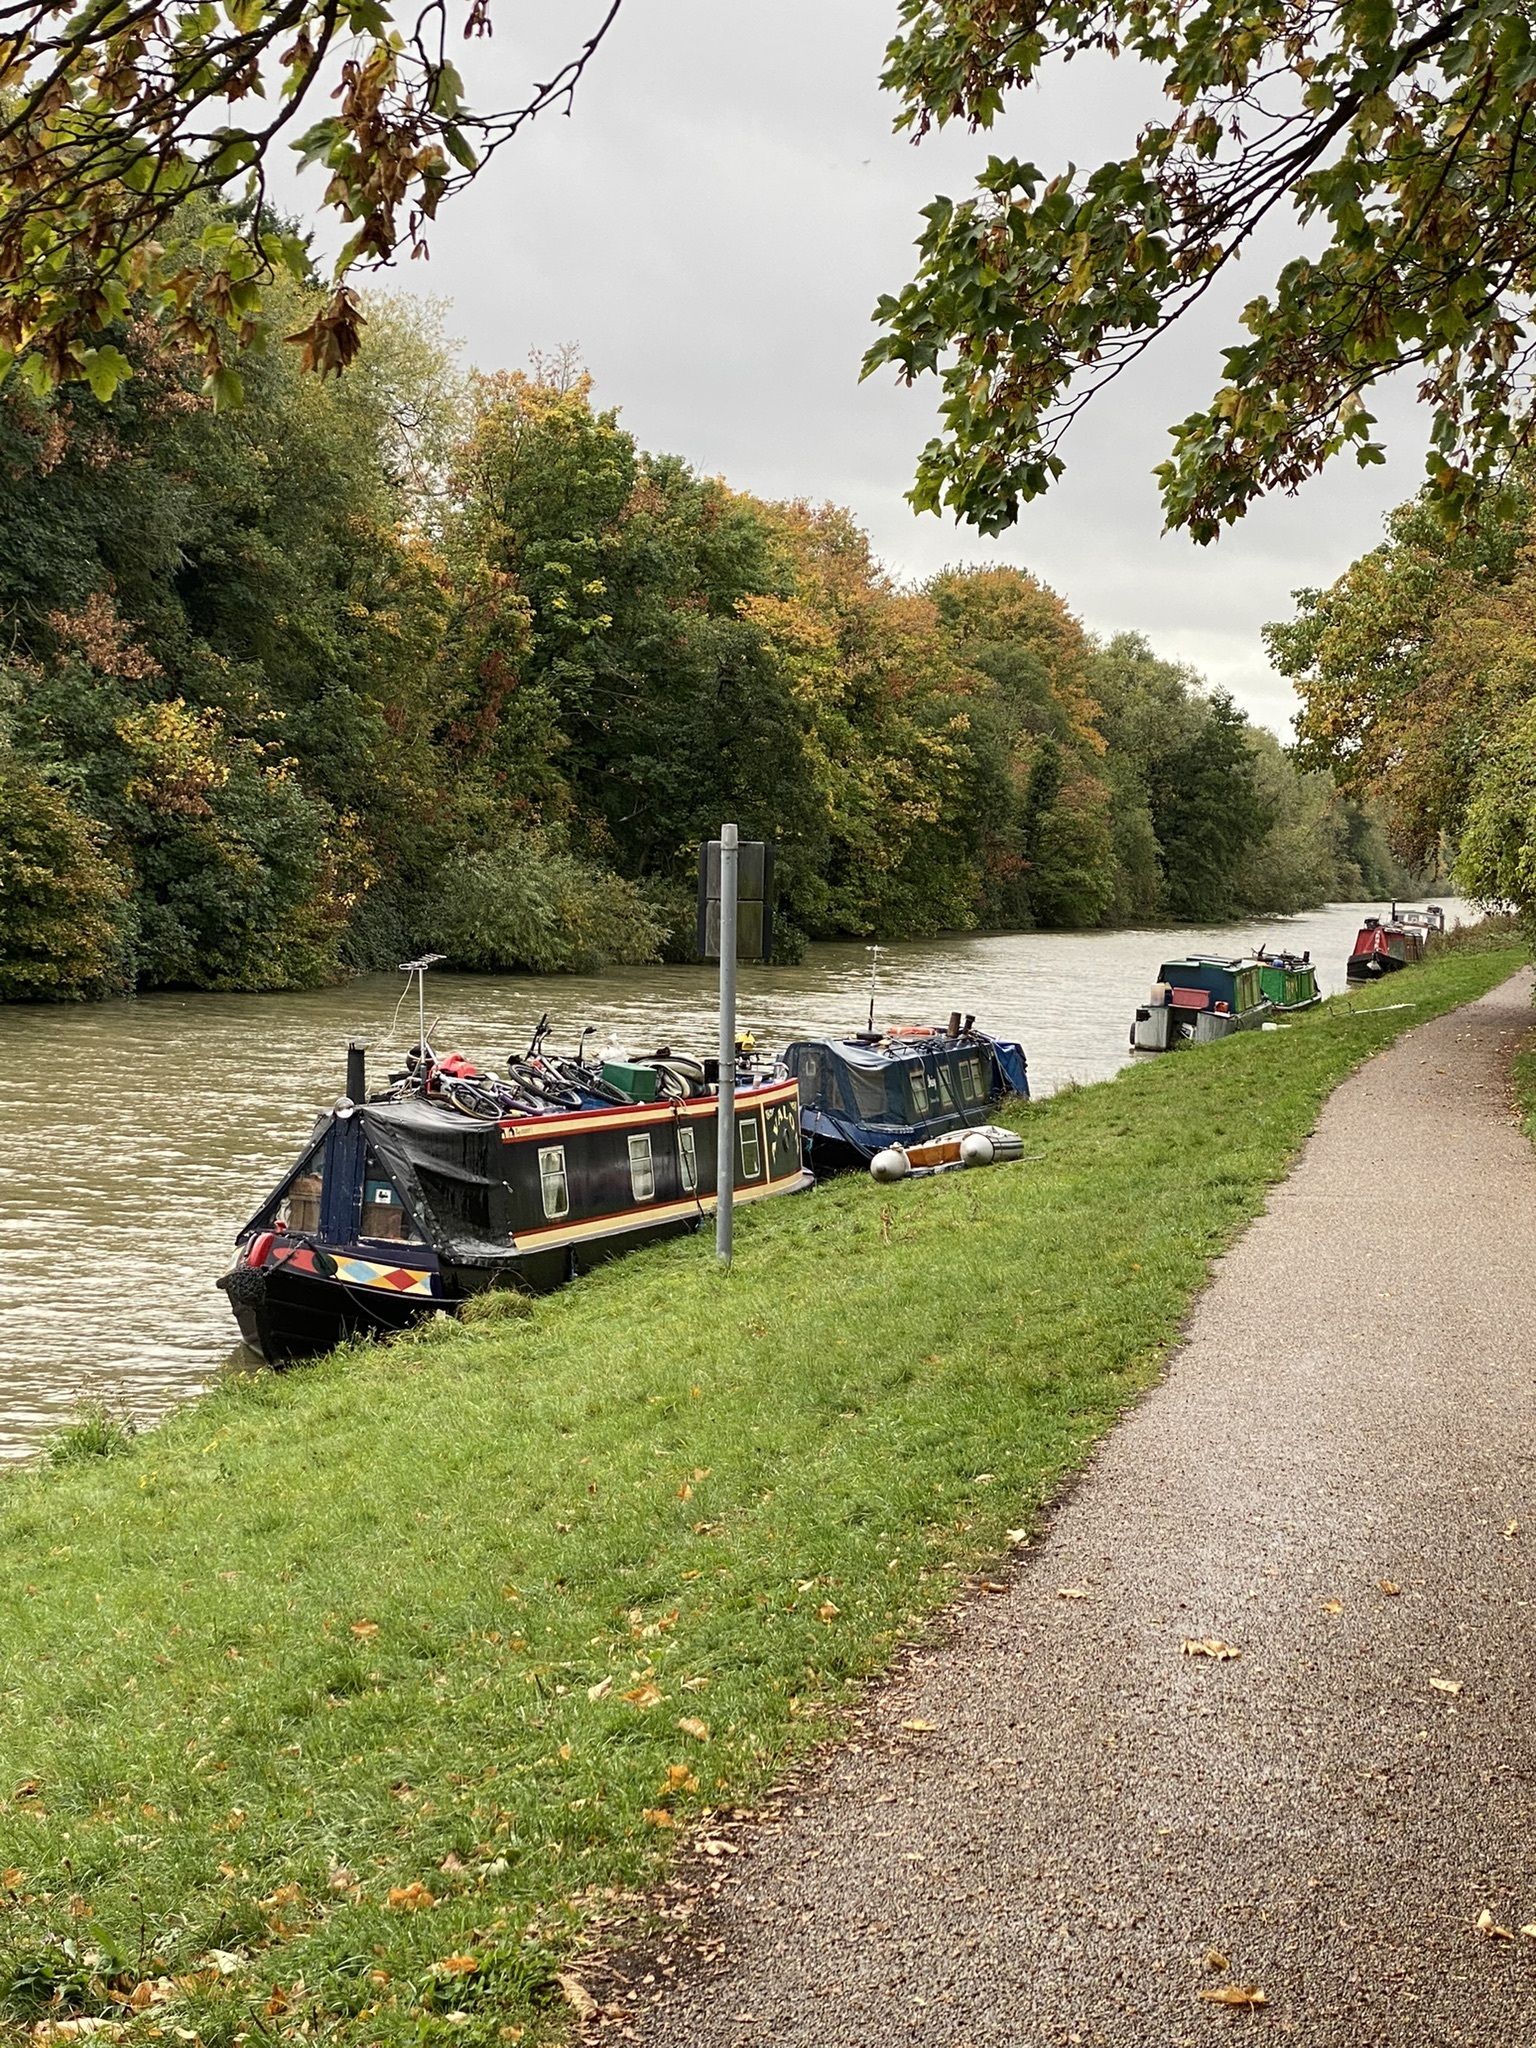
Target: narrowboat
<point>862,1095</point>
<point>406,1203</point>
<point>1289,980</point>
<point>1384,946</point>
<point>1199,999</point>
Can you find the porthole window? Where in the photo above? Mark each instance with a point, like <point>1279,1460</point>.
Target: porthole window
<point>751,1150</point>
<point>557,1194</point>
<point>642,1171</point>
<point>688,1160</point>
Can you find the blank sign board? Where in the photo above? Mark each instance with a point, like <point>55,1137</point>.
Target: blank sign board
<point>754,899</point>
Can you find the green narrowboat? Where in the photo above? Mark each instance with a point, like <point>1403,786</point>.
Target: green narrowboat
<point>1199,999</point>
<point>1289,980</point>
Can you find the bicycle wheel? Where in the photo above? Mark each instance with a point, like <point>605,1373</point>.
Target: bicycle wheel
<point>474,1101</point>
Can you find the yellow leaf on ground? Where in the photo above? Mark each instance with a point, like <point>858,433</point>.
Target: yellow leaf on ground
<point>1215,1960</point>
<point>410,1898</point>
<point>681,1779</point>
<point>576,1995</point>
<point>364,1628</point>
<point>601,1690</point>
<point>643,1696</point>
<point>692,1725</point>
<point>1529,1932</point>
<point>1511,1528</point>
<point>1489,1927</point>
<point>920,1727</point>
<point>1333,1607</point>
<point>1233,1994</point>
<point>458,1966</point>
<point>1450,1685</point>
<point>658,1817</point>
<point>1388,1586</point>
<point>827,1612</point>
<point>1210,1646</point>
<point>1071,1592</point>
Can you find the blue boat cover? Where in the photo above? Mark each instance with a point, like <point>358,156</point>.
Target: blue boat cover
<point>900,1091</point>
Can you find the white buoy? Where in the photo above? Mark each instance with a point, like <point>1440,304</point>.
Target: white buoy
<point>891,1164</point>
<point>977,1149</point>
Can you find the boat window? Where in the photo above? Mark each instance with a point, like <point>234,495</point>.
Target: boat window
<point>809,1071</point>
<point>642,1173</point>
<point>751,1149</point>
<point>383,1211</point>
<point>300,1208</point>
<point>946,1082</point>
<point>688,1159</point>
<point>557,1195</point>
<point>871,1102</point>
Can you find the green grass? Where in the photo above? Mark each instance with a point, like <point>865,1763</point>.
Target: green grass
<point>432,1615</point>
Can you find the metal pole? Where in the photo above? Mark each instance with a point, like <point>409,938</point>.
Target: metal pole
<point>725,1135</point>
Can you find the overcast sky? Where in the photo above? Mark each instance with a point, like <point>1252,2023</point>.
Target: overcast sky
<point>713,225</point>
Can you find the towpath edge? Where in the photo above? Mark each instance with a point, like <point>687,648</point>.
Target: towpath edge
<point>1061,1815</point>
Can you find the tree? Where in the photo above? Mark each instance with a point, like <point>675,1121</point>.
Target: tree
<point>114,119</point>
<point>1399,137</point>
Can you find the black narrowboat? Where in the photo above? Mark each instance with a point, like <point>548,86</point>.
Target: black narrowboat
<point>400,1207</point>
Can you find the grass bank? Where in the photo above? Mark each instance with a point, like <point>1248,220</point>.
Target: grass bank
<point>329,1706</point>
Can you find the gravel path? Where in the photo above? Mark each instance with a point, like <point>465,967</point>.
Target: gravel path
<point>1338,1477</point>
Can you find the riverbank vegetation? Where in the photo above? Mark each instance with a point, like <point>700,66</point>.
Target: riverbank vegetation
<point>335,1705</point>
<point>411,658</point>
<point>1418,684</point>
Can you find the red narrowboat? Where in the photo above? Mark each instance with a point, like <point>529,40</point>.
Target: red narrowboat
<point>1383,946</point>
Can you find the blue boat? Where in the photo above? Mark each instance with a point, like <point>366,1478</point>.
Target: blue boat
<point>862,1095</point>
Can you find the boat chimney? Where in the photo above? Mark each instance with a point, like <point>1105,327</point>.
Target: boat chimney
<point>954,1024</point>
<point>357,1081</point>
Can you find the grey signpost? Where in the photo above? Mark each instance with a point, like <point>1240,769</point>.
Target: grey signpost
<point>735,922</point>
<point>725,1135</point>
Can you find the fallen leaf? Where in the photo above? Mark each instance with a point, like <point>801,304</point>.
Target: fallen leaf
<point>1233,1994</point>
<point>827,1612</point>
<point>1488,1926</point>
<point>1333,1607</point>
<point>1511,1528</point>
<point>644,1696</point>
<point>410,1898</point>
<point>1450,1685</point>
<point>694,1684</point>
<point>601,1690</point>
<point>658,1817</point>
<point>576,1995</point>
<point>458,1966</point>
<point>364,1628</point>
<point>565,1757</point>
<point>1215,1960</point>
<point>1210,1646</point>
<point>1388,1586</point>
<point>681,1779</point>
<point>1071,1592</point>
<point>920,1727</point>
<point>1529,1932</point>
<point>692,1725</point>
<point>1018,1539</point>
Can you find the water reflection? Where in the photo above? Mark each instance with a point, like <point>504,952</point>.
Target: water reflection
<point>135,1137</point>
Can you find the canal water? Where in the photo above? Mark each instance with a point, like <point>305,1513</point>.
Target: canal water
<point>135,1137</point>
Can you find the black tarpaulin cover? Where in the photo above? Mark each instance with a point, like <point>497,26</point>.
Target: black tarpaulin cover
<point>449,1171</point>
